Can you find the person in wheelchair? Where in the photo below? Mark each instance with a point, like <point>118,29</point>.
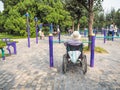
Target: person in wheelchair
<point>74,48</point>
<point>75,39</point>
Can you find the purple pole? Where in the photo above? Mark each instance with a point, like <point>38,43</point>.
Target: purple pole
<point>9,50</point>
<point>28,30</point>
<point>104,36</point>
<point>113,35</point>
<point>51,46</point>
<point>92,51</point>
<point>14,45</point>
<point>36,19</point>
<point>28,38</point>
<point>36,35</point>
<point>51,49</point>
<point>59,36</point>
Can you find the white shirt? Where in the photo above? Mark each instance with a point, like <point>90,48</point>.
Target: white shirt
<point>111,27</point>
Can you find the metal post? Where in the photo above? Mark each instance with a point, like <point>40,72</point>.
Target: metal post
<point>59,36</point>
<point>85,33</point>
<point>113,35</point>
<point>3,55</point>
<point>58,30</point>
<point>92,50</point>
<point>104,36</point>
<point>51,46</point>
<point>36,19</point>
<point>14,45</point>
<point>28,29</point>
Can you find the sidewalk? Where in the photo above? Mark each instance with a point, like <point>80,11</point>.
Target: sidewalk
<point>29,69</point>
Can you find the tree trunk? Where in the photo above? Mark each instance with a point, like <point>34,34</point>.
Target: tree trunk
<point>90,22</point>
<point>72,25</point>
<point>90,31</point>
<point>78,28</point>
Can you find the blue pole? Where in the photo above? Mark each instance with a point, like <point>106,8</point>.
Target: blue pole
<point>92,50</point>
<point>104,36</point>
<point>28,30</point>
<point>59,36</point>
<point>113,35</point>
<point>36,19</point>
<point>51,46</point>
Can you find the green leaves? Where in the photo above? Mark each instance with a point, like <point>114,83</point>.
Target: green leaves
<point>13,20</point>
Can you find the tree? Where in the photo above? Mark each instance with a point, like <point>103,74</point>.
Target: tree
<point>76,10</point>
<point>47,11</point>
<point>91,6</point>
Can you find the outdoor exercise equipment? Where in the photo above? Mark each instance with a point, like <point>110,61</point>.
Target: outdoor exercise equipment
<point>58,30</point>
<point>50,42</point>
<point>37,29</point>
<point>105,37</point>
<point>9,43</point>
<point>28,28</point>
<point>51,46</point>
<point>92,50</point>
<point>3,54</point>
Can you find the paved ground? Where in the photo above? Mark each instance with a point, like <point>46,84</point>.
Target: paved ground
<point>29,69</point>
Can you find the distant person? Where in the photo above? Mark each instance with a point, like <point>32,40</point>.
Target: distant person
<point>115,31</point>
<point>70,31</point>
<point>41,34</point>
<point>111,30</point>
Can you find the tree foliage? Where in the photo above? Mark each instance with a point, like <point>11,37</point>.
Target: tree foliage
<point>58,12</point>
<point>47,11</point>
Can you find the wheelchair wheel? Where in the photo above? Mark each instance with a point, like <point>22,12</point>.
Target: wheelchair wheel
<point>84,64</point>
<point>64,64</point>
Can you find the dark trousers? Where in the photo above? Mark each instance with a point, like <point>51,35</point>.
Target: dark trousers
<point>110,33</point>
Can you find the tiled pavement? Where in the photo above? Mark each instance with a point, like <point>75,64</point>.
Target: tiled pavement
<point>29,69</point>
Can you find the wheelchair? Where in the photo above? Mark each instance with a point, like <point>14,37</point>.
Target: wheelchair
<point>81,60</point>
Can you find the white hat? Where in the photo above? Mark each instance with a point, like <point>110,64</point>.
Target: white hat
<point>76,35</point>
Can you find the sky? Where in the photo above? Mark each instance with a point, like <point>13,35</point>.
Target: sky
<point>107,5</point>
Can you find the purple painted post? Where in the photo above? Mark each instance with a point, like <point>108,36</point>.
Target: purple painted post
<point>59,36</point>
<point>36,35</point>
<point>51,46</point>
<point>9,49</point>
<point>104,36</point>
<point>113,35</point>
<point>36,19</point>
<point>28,29</point>
<point>92,50</point>
<point>51,49</point>
<point>14,46</point>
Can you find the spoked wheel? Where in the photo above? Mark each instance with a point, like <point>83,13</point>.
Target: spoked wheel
<point>64,64</point>
<point>84,64</point>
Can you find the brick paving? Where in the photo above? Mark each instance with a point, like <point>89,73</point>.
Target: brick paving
<point>29,69</point>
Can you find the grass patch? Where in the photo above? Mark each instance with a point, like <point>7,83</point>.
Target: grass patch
<point>6,55</point>
<point>2,44</point>
<point>97,49</point>
<point>3,35</point>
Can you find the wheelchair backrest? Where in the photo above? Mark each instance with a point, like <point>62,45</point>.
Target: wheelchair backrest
<point>74,47</point>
